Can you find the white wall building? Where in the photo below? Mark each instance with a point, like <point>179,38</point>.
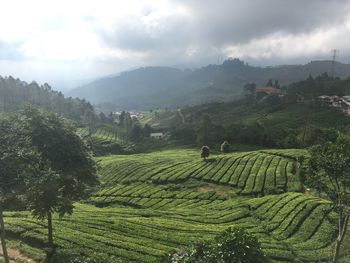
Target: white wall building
<point>157,135</point>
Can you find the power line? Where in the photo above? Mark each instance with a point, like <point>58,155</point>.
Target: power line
<point>219,59</point>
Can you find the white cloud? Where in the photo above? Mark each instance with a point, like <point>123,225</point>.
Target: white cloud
<point>77,38</point>
<point>317,43</point>
<point>66,30</point>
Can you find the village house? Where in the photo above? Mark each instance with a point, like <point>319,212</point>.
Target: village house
<point>346,100</point>
<point>268,90</point>
<point>157,135</point>
<point>336,101</point>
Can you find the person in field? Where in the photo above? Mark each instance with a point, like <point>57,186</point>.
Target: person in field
<point>225,147</point>
<point>205,152</point>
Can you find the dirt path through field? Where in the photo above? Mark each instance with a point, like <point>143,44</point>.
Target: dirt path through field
<point>16,256</point>
<point>183,119</point>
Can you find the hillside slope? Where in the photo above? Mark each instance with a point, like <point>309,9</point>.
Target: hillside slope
<point>297,119</point>
<point>152,87</point>
<point>152,204</point>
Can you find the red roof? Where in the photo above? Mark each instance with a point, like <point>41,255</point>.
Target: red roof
<point>269,90</point>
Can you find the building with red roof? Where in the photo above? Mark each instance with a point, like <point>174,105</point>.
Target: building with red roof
<point>269,90</point>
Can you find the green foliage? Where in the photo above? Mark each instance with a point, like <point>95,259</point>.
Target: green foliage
<point>252,172</point>
<point>233,245</point>
<point>18,160</point>
<point>184,133</point>
<point>271,103</point>
<point>250,89</point>
<point>104,139</point>
<point>329,174</point>
<point>15,94</point>
<point>321,85</point>
<point>111,138</point>
<point>152,204</point>
<point>205,152</point>
<point>208,133</point>
<point>68,168</point>
<point>73,256</point>
<point>329,171</point>
<point>290,226</point>
<point>287,122</point>
<point>65,168</point>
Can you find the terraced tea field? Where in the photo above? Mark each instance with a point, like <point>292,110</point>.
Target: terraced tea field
<point>104,140</point>
<point>253,173</point>
<point>102,135</point>
<point>151,204</point>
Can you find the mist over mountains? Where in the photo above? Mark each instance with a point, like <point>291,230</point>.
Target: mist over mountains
<point>150,87</point>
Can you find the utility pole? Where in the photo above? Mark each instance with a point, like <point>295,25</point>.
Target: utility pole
<point>219,59</point>
<point>334,57</point>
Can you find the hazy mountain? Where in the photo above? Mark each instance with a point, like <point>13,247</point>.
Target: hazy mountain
<point>151,87</point>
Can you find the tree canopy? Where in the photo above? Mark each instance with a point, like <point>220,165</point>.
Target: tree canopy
<point>329,174</point>
<point>15,94</point>
<point>19,163</point>
<point>67,167</point>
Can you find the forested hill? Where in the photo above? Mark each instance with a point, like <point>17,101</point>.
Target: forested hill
<point>151,87</point>
<point>295,120</point>
<point>15,94</point>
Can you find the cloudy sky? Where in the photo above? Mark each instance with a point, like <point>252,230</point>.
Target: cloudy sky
<point>66,41</point>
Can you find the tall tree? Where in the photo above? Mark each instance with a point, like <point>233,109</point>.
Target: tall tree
<point>269,83</point>
<point>18,163</point>
<point>249,89</point>
<point>68,168</point>
<point>329,173</point>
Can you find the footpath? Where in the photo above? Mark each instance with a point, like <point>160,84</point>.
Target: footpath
<point>16,256</point>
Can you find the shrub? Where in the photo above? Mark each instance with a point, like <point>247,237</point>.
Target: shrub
<point>74,256</point>
<point>233,245</point>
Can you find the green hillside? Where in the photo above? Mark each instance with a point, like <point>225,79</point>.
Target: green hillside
<point>151,204</point>
<point>295,120</point>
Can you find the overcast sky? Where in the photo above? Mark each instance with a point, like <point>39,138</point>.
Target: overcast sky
<point>59,41</point>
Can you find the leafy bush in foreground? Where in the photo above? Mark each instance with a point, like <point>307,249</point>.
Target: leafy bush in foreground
<point>73,256</point>
<point>235,245</point>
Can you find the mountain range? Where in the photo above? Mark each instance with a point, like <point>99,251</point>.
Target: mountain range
<point>152,87</point>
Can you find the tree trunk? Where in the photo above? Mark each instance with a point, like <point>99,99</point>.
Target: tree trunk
<point>336,251</point>
<point>49,229</point>
<point>343,224</point>
<point>51,248</point>
<point>2,236</point>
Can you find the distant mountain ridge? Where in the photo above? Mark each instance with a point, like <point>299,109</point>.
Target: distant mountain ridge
<point>151,87</point>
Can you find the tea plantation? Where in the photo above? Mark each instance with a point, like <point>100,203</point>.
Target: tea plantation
<point>152,204</point>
